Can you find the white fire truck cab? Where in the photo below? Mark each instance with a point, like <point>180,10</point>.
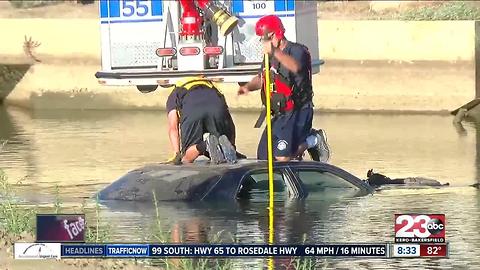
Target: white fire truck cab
<point>147,43</point>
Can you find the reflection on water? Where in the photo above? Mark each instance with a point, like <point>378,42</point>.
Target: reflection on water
<point>84,151</point>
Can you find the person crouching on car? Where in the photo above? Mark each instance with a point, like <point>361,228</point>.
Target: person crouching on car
<point>196,107</point>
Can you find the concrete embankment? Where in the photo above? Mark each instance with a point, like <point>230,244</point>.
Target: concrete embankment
<point>370,65</point>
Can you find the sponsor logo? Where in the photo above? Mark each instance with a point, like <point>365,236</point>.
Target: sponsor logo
<point>37,250</point>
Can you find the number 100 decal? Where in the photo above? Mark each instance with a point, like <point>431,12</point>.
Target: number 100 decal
<point>259,5</point>
<point>419,228</point>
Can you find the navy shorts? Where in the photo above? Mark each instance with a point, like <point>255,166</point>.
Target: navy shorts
<point>289,130</point>
<point>214,120</point>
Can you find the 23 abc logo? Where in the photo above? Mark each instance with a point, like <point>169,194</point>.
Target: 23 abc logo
<point>421,226</point>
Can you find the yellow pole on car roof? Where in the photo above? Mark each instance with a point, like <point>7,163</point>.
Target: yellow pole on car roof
<point>268,89</point>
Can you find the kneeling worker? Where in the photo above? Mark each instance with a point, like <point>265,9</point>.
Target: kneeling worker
<point>196,107</point>
<point>291,98</point>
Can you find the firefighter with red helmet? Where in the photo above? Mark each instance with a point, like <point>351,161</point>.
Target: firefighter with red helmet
<point>291,98</point>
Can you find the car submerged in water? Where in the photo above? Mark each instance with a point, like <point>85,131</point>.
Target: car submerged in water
<point>247,179</point>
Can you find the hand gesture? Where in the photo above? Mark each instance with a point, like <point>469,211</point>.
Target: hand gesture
<point>242,90</point>
<point>267,47</point>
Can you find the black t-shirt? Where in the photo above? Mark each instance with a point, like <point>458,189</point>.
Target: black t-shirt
<point>172,100</point>
<point>302,80</point>
<point>194,100</point>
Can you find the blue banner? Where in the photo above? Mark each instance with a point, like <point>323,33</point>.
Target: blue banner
<point>204,250</point>
<point>83,250</point>
<point>131,11</point>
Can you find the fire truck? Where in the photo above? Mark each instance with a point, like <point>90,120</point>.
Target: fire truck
<point>151,43</point>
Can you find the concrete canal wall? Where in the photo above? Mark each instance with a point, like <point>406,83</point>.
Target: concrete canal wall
<point>370,65</point>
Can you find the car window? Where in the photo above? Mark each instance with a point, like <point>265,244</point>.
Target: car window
<point>321,181</point>
<point>255,186</point>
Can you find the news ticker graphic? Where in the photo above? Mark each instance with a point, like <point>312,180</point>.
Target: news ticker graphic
<point>61,228</point>
<point>385,250</point>
<point>193,250</point>
<point>419,250</point>
<point>420,228</point>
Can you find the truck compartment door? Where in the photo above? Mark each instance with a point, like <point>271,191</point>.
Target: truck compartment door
<point>131,31</point>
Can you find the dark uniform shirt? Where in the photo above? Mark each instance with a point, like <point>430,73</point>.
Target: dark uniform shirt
<point>194,100</point>
<point>302,80</point>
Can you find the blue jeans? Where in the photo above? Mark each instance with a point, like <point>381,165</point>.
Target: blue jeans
<point>289,130</point>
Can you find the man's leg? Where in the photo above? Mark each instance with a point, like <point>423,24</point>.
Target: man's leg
<point>219,123</point>
<point>315,141</point>
<point>191,154</point>
<point>282,135</point>
<point>283,129</point>
<point>262,152</point>
<point>302,130</point>
<point>262,149</point>
<point>282,159</point>
<point>225,126</point>
<point>191,132</point>
<point>278,146</point>
<point>282,145</point>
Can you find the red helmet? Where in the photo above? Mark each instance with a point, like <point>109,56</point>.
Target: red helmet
<point>270,24</point>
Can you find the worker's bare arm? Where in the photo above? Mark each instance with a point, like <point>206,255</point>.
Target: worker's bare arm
<point>173,131</point>
<point>254,84</point>
<point>287,61</point>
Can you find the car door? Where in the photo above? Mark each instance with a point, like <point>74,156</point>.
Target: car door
<point>327,182</point>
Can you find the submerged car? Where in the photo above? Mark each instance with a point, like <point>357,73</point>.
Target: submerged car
<point>247,179</point>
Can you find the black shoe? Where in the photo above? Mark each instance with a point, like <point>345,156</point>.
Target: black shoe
<point>314,153</point>
<point>321,151</point>
<point>228,150</point>
<point>241,156</point>
<point>214,149</point>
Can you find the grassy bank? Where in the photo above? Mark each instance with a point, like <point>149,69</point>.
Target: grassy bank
<point>17,224</point>
<point>18,221</point>
<point>449,11</point>
<point>399,10</point>
<point>34,3</point>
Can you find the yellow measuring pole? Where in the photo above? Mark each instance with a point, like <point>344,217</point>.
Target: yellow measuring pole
<point>268,89</point>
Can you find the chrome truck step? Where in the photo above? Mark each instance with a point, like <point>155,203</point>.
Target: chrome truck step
<point>174,74</point>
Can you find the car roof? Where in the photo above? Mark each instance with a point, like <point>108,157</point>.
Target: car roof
<point>205,169</point>
<point>190,181</point>
<point>206,166</point>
